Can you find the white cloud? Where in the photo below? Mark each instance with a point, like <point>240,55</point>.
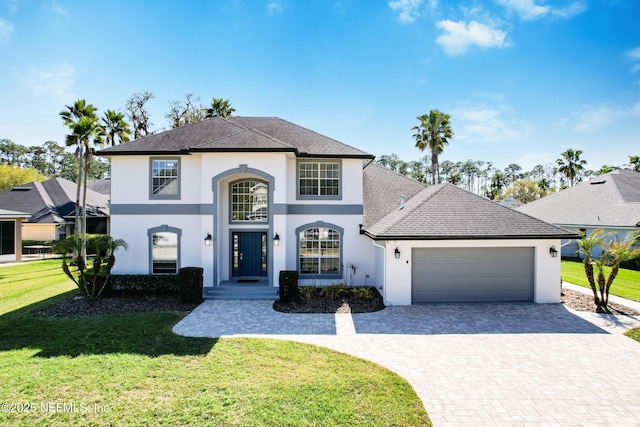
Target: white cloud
<point>6,29</point>
<point>634,54</point>
<point>274,8</point>
<point>54,7</point>
<point>483,124</point>
<point>570,10</point>
<point>526,9</point>
<point>459,36</point>
<point>56,81</point>
<point>590,120</point>
<point>408,10</point>
<point>529,10</point>
<point>635,111</point>
<point>13,6</point>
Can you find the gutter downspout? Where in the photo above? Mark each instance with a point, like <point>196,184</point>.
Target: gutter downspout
<point>384,271</point>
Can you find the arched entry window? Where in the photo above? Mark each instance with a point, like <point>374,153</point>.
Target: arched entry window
<point>249,201</point>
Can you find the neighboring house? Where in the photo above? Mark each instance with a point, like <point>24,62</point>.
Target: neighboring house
<point>610,202</point>
<point>245,198</point>
<point>11,235</point>
<point>51,206</point>
<point>102,186</point>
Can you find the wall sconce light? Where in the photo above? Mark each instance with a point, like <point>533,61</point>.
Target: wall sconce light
<point>276,240</point>
<point>553,251</point>
<point>208,239</point>
<point>397,253</point>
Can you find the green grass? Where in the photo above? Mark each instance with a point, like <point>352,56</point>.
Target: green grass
<point>625,285</point>
<point>135,371</point>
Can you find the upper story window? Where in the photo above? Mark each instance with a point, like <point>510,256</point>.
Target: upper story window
<point>165,178</point>
<point>319,179</point>
<point>249,200</point>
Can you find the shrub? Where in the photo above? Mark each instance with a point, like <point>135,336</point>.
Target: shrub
<point>288,281</point>
<point>364,293</point>
<point>149,284</point>
<point>307,292</point>
<point>190,284</point>
<point>334,292</point>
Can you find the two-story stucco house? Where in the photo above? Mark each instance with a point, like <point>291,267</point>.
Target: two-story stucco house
<point>247,197</point>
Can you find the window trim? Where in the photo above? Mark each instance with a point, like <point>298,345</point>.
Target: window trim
<point>153,196</point>
<point>11,223</point>
<point>319,196</point>
<point>262,181</point>
<point>321,224</point>
<point>163,229</point>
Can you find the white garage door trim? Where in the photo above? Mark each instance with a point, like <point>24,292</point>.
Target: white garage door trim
<point>472,274</point>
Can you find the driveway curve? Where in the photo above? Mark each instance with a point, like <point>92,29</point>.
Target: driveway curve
<point>471,364</point>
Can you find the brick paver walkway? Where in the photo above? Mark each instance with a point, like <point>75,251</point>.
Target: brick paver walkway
<point>471,364</point>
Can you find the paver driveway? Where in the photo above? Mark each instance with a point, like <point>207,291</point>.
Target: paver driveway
<point>471,364</point>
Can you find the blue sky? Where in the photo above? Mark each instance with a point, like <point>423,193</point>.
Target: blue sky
<point>523,80</point>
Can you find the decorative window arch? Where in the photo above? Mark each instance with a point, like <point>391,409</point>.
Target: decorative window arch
<point>164,249</point>
<point>249,200</point>
<point>320,250</point>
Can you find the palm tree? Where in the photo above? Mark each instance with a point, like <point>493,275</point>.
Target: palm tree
<point>85,132</point>
<point>570,164</point>
<point>115,126</point>
<point>434,132</point>
<point>634,162</point>
<point>71,116</point>
<point>219,107</point>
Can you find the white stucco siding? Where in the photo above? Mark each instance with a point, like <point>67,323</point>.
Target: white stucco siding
<point>133,230</point>
<point>398,271</point>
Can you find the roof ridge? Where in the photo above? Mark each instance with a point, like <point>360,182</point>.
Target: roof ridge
<point>47,200</point>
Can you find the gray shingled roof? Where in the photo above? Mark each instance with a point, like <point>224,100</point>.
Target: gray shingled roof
<point>236,134</point>
<point>611,200</point>
<point>443,211</point>
<point>4,213</point>
<point>51,201</point>
<point>102,186</point>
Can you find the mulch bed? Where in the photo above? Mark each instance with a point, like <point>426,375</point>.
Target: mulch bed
<point>348,304</point>
<point>584,302</point>
<point>125,303</point>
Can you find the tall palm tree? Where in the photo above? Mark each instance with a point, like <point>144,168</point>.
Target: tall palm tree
<point>115,126</point>
<point>571,164</point>
<point>85,132</point>
<point>433,132</point>
<point>219,107</point>
<point>71,116</point>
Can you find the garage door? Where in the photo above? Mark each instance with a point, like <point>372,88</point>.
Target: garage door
<point>472,274</point>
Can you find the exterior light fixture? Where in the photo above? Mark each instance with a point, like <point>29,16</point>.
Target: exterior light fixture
<point>553,251</point>
<point>397,253</point>
<point>208,239</point>
<point>276,240</point>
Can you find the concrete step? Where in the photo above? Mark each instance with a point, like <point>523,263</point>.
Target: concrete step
<point>242,292</point>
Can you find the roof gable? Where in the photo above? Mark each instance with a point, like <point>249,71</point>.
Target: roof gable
<point>239,134</point>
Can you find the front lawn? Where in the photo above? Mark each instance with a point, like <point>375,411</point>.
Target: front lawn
<point>625,285</point>
<point>130,369</point>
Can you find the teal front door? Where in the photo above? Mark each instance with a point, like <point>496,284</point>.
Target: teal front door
<point>249,254</point>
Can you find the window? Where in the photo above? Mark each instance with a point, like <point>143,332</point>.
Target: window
<point>7,237</point>
<point>319,251</point>
<point>249,201</point>
<point>319,179</point>
<point>165,179</point>
<point>165,251</point>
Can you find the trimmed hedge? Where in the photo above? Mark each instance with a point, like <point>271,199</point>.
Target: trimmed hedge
<point>288,281</point>
<point>190,280</point>
<point>145,283</point>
